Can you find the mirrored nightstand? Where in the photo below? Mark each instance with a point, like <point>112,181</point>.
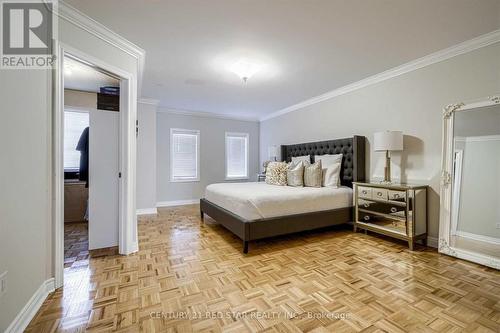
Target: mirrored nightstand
<point>395,210</point>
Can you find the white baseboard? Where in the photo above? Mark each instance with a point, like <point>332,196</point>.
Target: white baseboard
<point>29,311</point>
<point>476,237</point>
<point>432,242</point>
<point>147,211</point>
<point>177,203</point>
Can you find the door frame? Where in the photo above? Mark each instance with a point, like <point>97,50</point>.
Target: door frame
<point>127,224</point>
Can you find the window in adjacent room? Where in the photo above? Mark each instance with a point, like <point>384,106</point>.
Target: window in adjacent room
<point>236,155</point>
<point>74,124</point>
<point>184,155</point>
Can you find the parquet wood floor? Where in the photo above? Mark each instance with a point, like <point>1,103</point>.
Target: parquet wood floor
<point>76,244</point>
<point>376,284</point>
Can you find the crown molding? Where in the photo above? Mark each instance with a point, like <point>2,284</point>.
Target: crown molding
<point>83,21</point>
<point>149,101</point>
<point>453,51</point>
<point>206,114</point>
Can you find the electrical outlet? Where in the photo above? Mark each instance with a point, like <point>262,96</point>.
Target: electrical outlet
<point>3,283</point>
<point>498,225</point>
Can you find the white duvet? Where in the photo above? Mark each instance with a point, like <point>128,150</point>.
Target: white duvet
<point>253,201</point>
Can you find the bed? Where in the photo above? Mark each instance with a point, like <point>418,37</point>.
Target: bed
<point>257,210</point>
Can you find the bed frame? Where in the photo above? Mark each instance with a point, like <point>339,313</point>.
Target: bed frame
<point>353,169</point>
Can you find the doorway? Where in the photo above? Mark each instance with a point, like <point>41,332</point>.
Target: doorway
<point>91,162</point>
<point>120,196</point>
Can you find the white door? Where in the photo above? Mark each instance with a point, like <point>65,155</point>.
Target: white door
<point>103,178</point>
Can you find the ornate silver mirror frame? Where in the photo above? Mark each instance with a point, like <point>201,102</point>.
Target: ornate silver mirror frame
<point>445,244</point>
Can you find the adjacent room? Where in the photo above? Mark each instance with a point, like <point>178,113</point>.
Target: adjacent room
<point>250,166</point>
<point>91,149</point>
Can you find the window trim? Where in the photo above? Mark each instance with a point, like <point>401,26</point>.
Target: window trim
<point>198,149</point>
<point>73,109</point>
<point>237,134</point>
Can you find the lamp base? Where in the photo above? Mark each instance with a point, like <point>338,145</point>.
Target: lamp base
<point>387,169</point>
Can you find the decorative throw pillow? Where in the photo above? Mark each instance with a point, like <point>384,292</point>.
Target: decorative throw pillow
<point>306,159</point>
<point>312,175</point>
<point>276,173</point>
<point>331,165</point>
<point>295,174</point>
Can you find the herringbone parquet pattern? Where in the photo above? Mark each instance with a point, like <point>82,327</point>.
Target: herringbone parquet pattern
<point>186,268</point>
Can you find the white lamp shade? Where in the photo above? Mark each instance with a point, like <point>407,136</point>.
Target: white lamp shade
<point>388,140</point>
<point>272,152</point>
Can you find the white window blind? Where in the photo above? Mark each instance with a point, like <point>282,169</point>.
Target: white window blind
<point>74,124</point>
<point>184,155</point>
<point>236,155</point>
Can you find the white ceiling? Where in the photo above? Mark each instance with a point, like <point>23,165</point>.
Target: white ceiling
<point>78,76</point>
<point>308,47</point>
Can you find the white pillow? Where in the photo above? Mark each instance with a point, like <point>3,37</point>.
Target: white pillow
<point>331,165</point>
<point>306,159</point>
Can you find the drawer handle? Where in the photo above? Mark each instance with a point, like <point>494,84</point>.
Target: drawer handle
<point>364,192</point>
<point>396,196</point>
<point>366,205</point>
<point>366,218</point>
<point>379,194</point>
<point>394,209</point>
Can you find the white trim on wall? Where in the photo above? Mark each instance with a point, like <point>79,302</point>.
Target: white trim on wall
<point>177,203</point>
<point>207,114</point>
<point>148,101</point>
<point>30,309</point>
<point>147,211</point>
<point>482,138</point>
<point>79,19</point>
<point>456,50</point>
<point>432,242</point>
<point>476,237</point>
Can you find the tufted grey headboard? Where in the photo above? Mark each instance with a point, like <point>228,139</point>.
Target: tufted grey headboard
<point>352,149</point>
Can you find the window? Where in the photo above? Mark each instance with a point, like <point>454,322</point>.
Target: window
<point>74,124</point>
<point>236,155</point>
<point>184,155</point>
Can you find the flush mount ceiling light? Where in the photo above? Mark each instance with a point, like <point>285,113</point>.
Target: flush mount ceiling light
<point>245,69</point>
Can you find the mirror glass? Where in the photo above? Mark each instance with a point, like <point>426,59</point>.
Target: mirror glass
<point>475,216</point>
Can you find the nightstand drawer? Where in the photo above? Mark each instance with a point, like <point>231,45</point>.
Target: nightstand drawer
<point>379,193</point>
<point>398,210</point>
<point>365,192</point>
<point>383,222</point>
<point>397,195</point>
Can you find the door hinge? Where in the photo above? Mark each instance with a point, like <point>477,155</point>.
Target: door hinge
<point>136,128</point>
<point>119,175</point>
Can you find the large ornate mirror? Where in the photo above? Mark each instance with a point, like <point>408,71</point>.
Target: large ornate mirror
<point>470,187</point>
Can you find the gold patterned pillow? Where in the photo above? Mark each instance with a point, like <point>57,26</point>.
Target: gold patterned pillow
<point>313,175</point>
<point>276,173</point>
<point>295,174</point>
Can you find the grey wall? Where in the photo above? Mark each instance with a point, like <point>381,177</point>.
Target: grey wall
<point>26,228</point>
<point>146,156</point>
<point>25,187</point>
<point>411,102</point>
<point>212,152</point>
<point>78,98</point>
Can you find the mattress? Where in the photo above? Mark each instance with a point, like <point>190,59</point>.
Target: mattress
<point>254,201</point>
